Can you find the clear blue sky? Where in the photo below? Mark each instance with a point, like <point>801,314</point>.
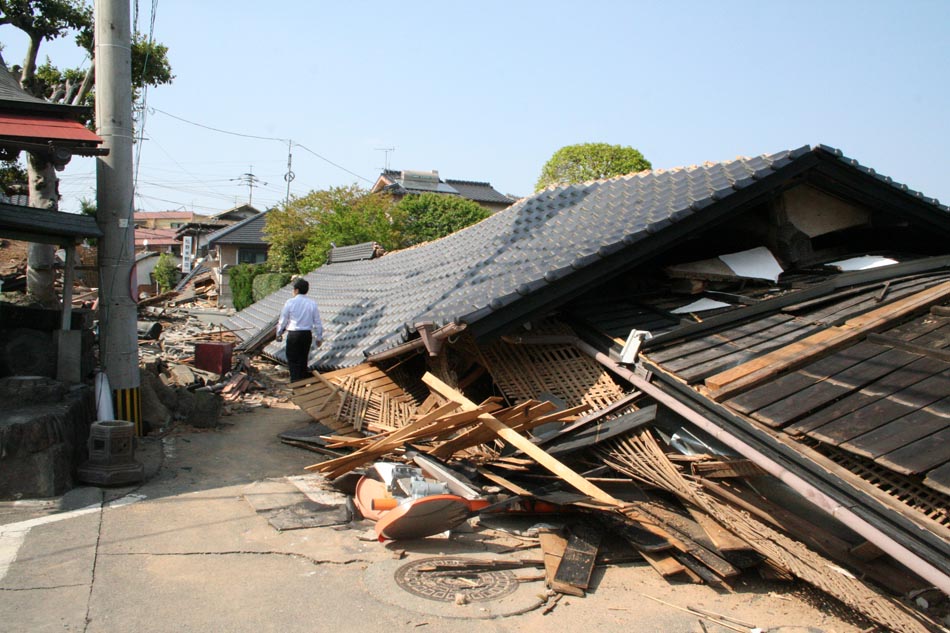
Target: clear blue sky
<point>489,90</point>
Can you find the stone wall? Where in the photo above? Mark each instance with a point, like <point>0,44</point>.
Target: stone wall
<point>42,436</point>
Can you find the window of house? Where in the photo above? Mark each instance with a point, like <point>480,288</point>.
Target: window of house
<point>252,256</point>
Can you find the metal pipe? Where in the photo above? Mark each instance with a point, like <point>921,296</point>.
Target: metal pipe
<point>820,499</point>
<point>444,332</point>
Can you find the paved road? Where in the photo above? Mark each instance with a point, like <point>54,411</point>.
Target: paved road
<point>192,550</point>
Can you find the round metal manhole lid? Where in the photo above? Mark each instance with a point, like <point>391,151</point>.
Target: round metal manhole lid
<point>421,578</point>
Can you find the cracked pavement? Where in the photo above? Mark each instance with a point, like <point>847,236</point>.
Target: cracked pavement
<point>186,551</point>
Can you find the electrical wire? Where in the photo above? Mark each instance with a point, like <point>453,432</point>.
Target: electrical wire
<point>263,138</point>
<point>219,130</point>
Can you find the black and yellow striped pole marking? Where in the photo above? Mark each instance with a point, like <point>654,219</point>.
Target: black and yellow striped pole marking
<point>128,406</point>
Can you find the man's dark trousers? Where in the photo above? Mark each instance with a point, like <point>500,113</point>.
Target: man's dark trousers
<point>298,353</point>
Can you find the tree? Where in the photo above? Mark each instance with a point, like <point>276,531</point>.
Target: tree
<point>165,273</point>
<point>429,216</point>
<point>13,178</point>
<point>287,230</point>
<point>590,161</point>
<point>302,233</point>
<point>46,20</point>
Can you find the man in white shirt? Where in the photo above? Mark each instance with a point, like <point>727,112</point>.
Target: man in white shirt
<point>300,318</point>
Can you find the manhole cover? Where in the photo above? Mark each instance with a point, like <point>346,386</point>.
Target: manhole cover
<point>434,578</point>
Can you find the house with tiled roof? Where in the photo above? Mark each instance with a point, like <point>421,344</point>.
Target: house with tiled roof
<point>402,183</point>
<point>790,308</point>
<point>240,243</point>
<point>163,219</point>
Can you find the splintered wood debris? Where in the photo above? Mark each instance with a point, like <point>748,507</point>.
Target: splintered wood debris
<point>601,465</point>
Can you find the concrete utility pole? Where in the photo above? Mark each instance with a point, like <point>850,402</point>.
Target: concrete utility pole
<point>118,339</point>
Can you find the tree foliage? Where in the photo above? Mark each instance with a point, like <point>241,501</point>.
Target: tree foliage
<point>47,20</point>
<point>165,273</point>
<point>241,282</point>
<point>266,283</point>
<point>302,233</point>
<point>429,216</point>
<point>13,178</point>
<point>590,161</point>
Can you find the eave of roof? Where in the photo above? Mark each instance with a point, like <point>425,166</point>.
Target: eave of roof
<point>45,226</point>
<point>226,235</point>
<point>35,127</point>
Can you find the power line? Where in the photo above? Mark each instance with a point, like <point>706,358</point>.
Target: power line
<point>215,129</point>
<point>264,138</point>
<point>324,158</point>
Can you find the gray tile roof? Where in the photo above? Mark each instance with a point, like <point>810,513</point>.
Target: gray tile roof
<point>13,97</point>
<point>545,240</point>
<point>248,231</point>
<point>479,191</point>
<point>57,227</point>
<point>355,253</point>
<point>469,189</point>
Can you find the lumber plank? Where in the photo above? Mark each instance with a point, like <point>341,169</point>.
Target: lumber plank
<point>541,457</point>
<point>552,546</point>
<point>727,383</point>
<point>724,540</point>
<point>664,564</point>
<point>520,442</point>
<point>382,445</point>
<point>577,562</point>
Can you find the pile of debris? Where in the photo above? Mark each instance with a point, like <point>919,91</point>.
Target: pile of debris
<point>181,384</point>
<point>423,459</point>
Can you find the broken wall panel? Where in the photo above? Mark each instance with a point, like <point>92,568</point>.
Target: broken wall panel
<point>355,399</point>
<point>524,372</point>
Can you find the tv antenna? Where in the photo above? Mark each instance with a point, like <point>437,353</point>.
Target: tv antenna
<point>386,151</point>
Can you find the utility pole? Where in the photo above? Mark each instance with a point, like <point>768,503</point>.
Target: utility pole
<point>251,181</point>
<point>289,176</point>
<point>118,340</point>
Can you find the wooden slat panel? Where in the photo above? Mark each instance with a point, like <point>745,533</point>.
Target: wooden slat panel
<point>788,384</point>
<point>869,301</point>
<point>850,407</point>
<point>872,416</point>
<point>924,454</point>
<point>771,339</point>
<point>728,383</point>
<point>731,335</point>
<point>939,338</point>
<point>902,431</point>
<point>818,395</point>
<point>939,479</point>
<point>920,326</point>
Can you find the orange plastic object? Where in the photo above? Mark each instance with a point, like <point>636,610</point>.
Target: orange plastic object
<point>367,490</point>
<point>422,517</point>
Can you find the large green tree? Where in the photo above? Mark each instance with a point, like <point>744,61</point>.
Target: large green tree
<point>429,216</point>
<point>303,232</point>
<point>47,20</point>
<point>590,161</point>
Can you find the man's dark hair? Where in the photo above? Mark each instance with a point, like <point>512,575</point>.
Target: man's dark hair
<point>302,286</point>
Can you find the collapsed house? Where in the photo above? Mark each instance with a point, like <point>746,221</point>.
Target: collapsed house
<point>765,340</point>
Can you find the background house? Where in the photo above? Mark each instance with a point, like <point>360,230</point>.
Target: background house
<point>240,243</point>
<point>162,219</point>
<point>402,183</point>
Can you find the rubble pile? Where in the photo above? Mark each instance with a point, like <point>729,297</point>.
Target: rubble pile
<point>177,388</point>
<point>593,460</point>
